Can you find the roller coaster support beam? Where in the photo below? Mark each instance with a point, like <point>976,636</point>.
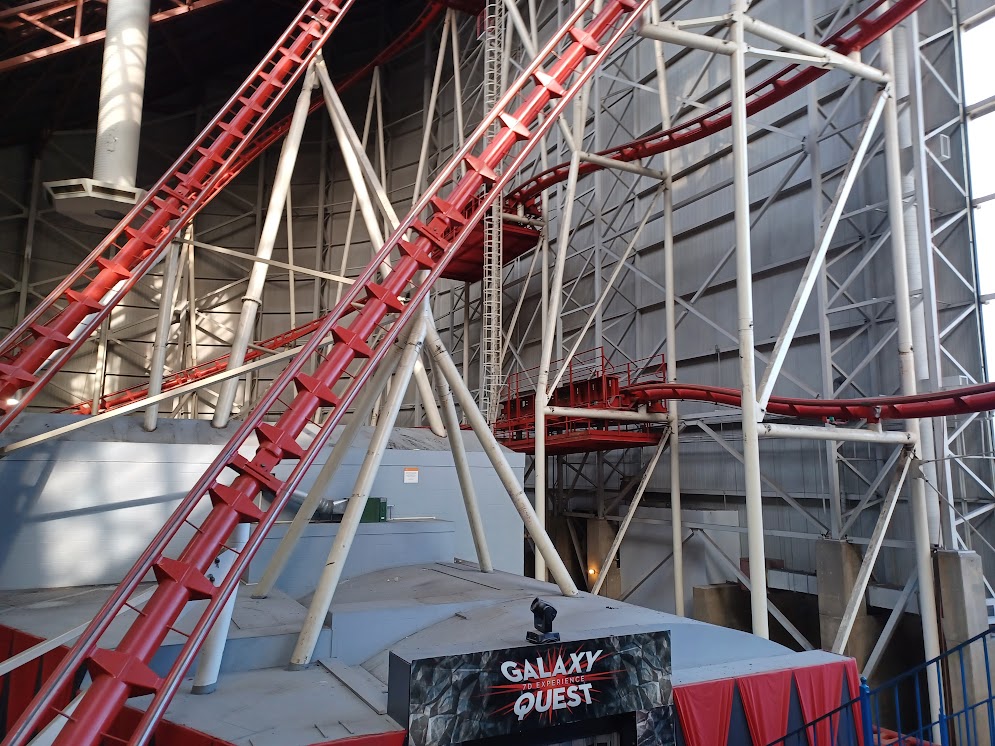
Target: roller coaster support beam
<point>670,310</point>
<point>630,514</point>
<point>906,366</point>
<point>744,294</point>
<point>552,312</point>
<point>632,168</point>
<point>615,415</point>
<point>544,546</point>
<point>803,432</point>
<point>253,298</point>
<point>344,537</point>
<point>827,57</point>
<point>670,33</point>
<point>205,680</point>
<point>319,490</point>
<point>818,258</point>
<point>160,344</point>
<point>365,181</point>
<point>463,473</point>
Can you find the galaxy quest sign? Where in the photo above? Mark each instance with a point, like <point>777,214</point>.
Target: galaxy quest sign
<point>550,683</point>
<point>456,698</point>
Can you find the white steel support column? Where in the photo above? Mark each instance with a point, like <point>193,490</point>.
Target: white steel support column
<point>160,343</point>
<point>332,573</point>
<point>552,312</point>
<point>253,298</point>
<point>921,339</point>
<point>670,299</point>
<point>205,680</point>
<point>906,365</point>
<point>544,547</point>
<point>122,92</point>
<point>463,473</point>
<point>317,493</point>
<point>368,185</point>
<point>744,293</point>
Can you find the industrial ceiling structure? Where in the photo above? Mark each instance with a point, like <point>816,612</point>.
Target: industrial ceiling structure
<point>735,234</point>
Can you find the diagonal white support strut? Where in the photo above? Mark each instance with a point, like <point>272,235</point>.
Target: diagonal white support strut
<point>818,257</point>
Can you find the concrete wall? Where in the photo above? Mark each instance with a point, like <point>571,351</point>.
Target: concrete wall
<point>80,510</point>
<point>648,542</point>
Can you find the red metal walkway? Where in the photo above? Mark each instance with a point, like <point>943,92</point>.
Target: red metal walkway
<point>590,381</point>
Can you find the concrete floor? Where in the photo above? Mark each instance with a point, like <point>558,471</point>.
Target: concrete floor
<point>417,611</point>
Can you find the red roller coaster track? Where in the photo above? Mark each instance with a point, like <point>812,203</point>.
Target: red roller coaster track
<point>363,326</point>
<point>852,37</point>
<point>980,398</point>
<point>855,35</point>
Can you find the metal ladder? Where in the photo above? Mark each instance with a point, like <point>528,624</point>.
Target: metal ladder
<point>37,348</point>
<point>376,313</point>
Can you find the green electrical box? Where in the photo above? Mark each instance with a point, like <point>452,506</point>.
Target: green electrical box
<point>375,510</point>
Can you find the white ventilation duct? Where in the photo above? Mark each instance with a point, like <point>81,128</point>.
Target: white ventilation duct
<point>107,197</point>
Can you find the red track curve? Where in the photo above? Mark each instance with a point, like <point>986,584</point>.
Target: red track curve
<point>979,398</point>
<point>771,91</point>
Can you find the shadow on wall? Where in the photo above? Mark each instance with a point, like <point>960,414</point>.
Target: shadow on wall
<point>81,512</point>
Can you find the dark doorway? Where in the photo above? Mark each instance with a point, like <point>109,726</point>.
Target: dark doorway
<point>614,731</point>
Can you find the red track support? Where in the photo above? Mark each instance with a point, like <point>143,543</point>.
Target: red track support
<point>38,347</point>
<point>364,324</point>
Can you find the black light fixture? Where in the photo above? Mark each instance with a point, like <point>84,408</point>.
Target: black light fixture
<point>544,614</point>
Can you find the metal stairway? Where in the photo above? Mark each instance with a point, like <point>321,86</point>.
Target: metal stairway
<point>36,349</point>
<point>358,334</point>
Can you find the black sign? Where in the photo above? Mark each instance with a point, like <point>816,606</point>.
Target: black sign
<point>456,698</point>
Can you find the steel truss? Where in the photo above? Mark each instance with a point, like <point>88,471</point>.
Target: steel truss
<point>595,280</point>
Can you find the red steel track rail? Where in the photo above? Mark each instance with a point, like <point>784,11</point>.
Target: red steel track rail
<point>363,326</point>
<point>195,373</point>
<point>852,37</point>
<point>39,346</point>
<point>979,398</point>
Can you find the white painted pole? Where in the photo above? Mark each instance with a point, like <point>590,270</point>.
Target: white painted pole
<point>361,409</point>
<point>856,599</point>
<point>346,534</point>
<point>205,680</point>
<point>368,186</point>
<point>614,415</point>
<point>744,293</point>
<point>458,448</point>
<point>122,92</point>
<point>906,367</point>
<point>544,547</point>
<point>548,339</point>
<point>670,310</point>
<point>253,297</point>
<point>160,344</point>
<point>629,515</point>
<point>804,46</point>
<point>813,432</point>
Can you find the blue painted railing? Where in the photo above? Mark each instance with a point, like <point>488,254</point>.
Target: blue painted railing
<point>898,712</point>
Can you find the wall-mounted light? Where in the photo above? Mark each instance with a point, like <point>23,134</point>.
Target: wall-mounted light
<point>592,571</point>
